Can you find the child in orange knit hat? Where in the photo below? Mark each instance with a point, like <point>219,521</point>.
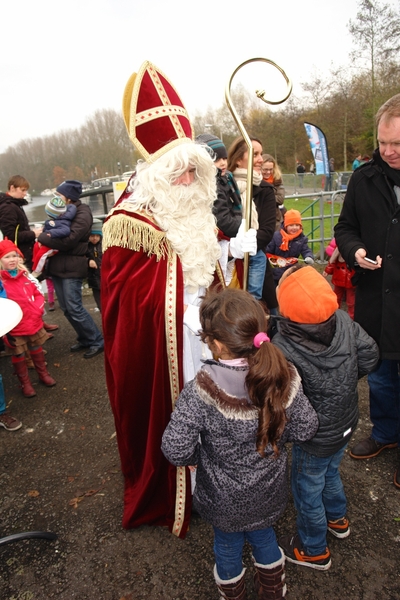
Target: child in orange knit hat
<point>290,242</point>
<point>331,352</point>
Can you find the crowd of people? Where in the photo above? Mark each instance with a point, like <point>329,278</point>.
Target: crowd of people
<point>228,377</point>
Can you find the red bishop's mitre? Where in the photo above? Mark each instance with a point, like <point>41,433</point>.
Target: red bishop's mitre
<point>154,114</point>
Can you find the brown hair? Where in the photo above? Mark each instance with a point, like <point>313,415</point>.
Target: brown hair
<point>237,150</point>
<point>234,317</point>
<point>18,181</point>
<point>389,110</point>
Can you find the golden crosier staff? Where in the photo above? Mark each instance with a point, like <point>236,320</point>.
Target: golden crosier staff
<point>260,94</point>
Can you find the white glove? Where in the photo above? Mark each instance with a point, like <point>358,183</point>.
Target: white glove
<point>309,260</point>
<point>243,242</point>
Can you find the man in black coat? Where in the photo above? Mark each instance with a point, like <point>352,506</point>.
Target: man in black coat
<point>14,223</point>
<point>368,237</point>
<point>68,267</point>
<point>13,220</point>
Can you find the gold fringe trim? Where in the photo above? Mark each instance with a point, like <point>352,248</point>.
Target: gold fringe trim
<point>125,231</point>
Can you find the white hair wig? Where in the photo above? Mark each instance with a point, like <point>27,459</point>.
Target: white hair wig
<point>184,212</point>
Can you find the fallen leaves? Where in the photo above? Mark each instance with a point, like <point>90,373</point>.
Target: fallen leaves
<point>33,493</point>
<point>75,501</point>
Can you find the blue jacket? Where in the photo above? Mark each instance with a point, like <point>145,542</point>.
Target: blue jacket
<point>60,227</point>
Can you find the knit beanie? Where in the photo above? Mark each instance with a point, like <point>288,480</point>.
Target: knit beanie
<point>304,296</point>
<point>71,189</point>
<point>292,217</point>
<point>7,246</point>
<point>55,207</point>
<point>214,143</point>
<point>97,227</point>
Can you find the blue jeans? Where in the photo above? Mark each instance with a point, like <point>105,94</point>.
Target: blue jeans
<point>228,548</point>
<point>318,496</point>
<point>69,296</point>
<point>384,401</point>
<point>2,397</point>
<point>257,266</point>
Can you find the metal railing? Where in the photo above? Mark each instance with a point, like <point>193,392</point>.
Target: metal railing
<point>324,208</point>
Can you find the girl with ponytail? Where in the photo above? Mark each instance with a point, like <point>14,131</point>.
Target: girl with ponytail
<point>232,421</point>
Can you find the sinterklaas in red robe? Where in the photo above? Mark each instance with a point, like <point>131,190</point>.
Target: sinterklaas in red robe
<point>142,303</point>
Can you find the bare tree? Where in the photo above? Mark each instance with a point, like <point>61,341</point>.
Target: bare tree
<point>376,31</point>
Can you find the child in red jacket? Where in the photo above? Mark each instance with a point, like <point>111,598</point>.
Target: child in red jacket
<point>341,277</point>
<point>29,333</point>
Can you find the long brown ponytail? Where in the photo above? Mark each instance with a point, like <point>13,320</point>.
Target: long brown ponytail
<point>234,318</point>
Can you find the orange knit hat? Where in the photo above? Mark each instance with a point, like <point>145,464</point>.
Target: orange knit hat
<point>292,217</point>
<point>306,297</point>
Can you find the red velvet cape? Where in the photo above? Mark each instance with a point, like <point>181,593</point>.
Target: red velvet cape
<point>137,344</point>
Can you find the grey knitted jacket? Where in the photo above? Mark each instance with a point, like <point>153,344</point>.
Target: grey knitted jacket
<point>236,489</point>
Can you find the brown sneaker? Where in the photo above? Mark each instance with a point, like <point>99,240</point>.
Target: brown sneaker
<point>9,423</point>
<point>369,448</point>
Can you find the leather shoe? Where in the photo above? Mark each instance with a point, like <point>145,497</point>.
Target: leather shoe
<point>396,479</point>
<point>77,347</point>
<point>49,327</point>
<point>369,448</point>
<point>93,351</point>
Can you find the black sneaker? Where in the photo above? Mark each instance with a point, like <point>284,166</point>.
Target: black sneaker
<point>292,547</point>
<point>339,528</point>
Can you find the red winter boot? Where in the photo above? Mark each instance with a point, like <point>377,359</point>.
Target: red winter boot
<point>21,370</point>
<point>40,366</point>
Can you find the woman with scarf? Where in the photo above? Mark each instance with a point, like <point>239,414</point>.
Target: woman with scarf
<point>260,283</point>
<point>273,175</point>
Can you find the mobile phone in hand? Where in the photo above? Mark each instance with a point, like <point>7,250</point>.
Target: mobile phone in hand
<point>373,262</point>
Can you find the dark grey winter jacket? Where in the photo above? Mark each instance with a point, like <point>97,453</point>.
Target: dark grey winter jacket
<point>236,489</point>
<point>330,358</point>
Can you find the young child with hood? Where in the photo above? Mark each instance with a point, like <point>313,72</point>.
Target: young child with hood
<point>341,277</point>
<point>244,407</point>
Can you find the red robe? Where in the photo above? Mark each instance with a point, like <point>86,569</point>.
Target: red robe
<point>142,302</point>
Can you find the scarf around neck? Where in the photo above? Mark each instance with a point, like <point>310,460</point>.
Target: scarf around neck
<point>392,174</point>
<point>240,176</point>
<point>288,237</point>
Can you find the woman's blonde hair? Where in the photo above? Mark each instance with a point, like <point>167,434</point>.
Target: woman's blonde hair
<point>277,173</point>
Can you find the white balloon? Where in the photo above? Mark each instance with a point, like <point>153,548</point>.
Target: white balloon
<point>10,315</point>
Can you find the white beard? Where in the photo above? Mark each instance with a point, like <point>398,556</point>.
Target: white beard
<point>190,227</point>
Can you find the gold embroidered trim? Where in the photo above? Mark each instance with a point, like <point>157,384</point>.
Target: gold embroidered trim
<point>133,122</point>
<point>172,353</point>
<point>125,231</point>
<point>160,111</point>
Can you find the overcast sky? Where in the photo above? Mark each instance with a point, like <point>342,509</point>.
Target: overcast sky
<point>62,60</point>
